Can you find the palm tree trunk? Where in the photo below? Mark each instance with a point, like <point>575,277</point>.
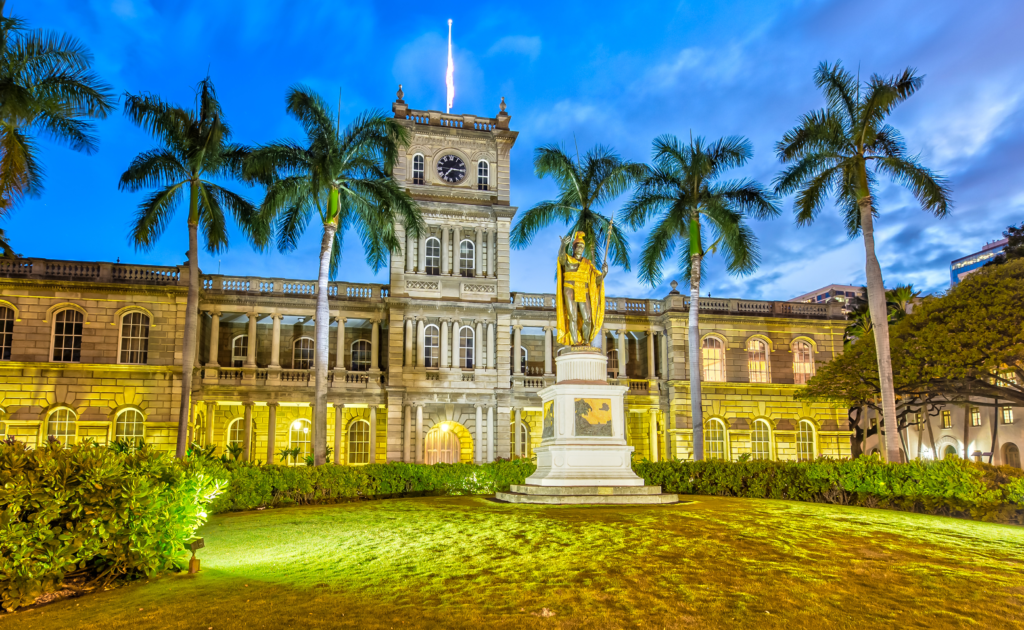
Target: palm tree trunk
<point>880,326</point>
<point>188,351</point>
<point>696,409</point>
<point>323,348</point>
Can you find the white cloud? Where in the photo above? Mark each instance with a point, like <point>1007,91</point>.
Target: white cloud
<point>518,44</point>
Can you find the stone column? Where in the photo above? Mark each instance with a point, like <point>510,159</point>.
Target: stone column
<point>456,325</point>
<point>479,254</point>
<point>547,351</point>
<point>419,344</point>
<point>407,442</point>
<point>494,256</point>
<point>421,260</point>
<point>247,428</point>
<point>419,434</point>
<point>622,353</point>
<point>445,357</point>
<point>444,250</point>
<point>339,429</point>
<point>519,433</point>
<point>408,341</point>
<point>664,355</point>
<point>654,435</point>
<point>478,459</point>
<point>373,434</point>
<point>408,253</point>
<point>517,349</point>
<point>275,342</point>
<point>271,432</point>
<point>211,410</point>
<point>374,344</point>
<point>490,434</point>
<point>339,362</point>
<point>650,353</point>
<point>250,358</point>
<point>478,360</point>
<point>492,348</point>
<point>214,338</point>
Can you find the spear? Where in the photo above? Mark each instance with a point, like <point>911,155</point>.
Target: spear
<point>608,239</point>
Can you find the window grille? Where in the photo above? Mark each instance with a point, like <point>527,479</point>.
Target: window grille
<point>433,266</point>
<point>6,333</point>
<point>714,439</point>
<point>467,261</point>
<point>130,425</point>
<point>757,361</point>
<point>135,338</point>
<point>466,345</point>
<point>760,440</point>
<point>360,355</point>
<point>359,442</point>
<point>431,344</point>
<point>713,355</point>
<point>302,354</point>
<point>803,362</point>
<point>417,169</point>
<point>67,335</point>
<point>62,424</point>
<point>805,442</point>
<point>483,178</point>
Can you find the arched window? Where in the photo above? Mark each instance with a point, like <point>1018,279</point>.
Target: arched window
<point>299,437</point>
<point>135,338</point>
<point>760,440</point>
<point>130,425</point>
<point>1011,455</point>
<point>442,445</point>
<point>431,345</point>
<point>805,442</point>
<point>466,348</point>
<point>467,260</point>
<point>199,431</point>
<point>360,355</point>
<point>757,361</point>
<point>483,175</point>
<point>236,432</point>
<point>359,442</point>
<point>713,359</point>
<point>524,437</point>
<point>613,363</point>
<point>803,362</point>
<point>950,451</point>
<point>62,424</point>
<point>714,439</point>
<point>302,354</point>
<point>67,335</point>
<point>239,350</point>
<point>417,169</point>
<point>433,256</point>
<point>6,333</point>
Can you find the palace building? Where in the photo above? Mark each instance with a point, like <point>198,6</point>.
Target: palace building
<point>443,364</point>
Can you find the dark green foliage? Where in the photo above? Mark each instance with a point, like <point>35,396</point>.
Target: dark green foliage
<point>89,515</point>
<point>1014,246</point>
<point>251,486</point>
<point>950,487</point>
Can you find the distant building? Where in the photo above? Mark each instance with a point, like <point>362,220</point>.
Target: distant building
<point>962,267</point>
<point>841,293</point>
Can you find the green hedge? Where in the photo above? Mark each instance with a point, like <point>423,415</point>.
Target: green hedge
<point>251,486</point>
<point>951,487</point>
<point>88,515</point>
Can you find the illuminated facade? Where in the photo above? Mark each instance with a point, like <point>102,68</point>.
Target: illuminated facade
<point>442,364</point>
<point>963,267</point>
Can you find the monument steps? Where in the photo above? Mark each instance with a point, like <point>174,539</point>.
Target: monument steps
<point>587,495</point>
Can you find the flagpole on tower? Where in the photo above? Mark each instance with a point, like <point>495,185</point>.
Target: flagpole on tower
<point>449,76</point>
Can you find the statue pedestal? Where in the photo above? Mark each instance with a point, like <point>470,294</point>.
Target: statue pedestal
<point>583,450</point>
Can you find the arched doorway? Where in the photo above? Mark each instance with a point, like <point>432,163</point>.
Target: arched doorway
<point>950,451</point>
<point>1011,455</point>
<point>442,446</point>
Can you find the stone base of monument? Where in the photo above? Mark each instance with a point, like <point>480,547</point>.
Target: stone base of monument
<point>583,456</point>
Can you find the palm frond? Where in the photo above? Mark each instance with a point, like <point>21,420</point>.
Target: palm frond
<point>156,167</point>
<point>153,215</point>
<point>931,191</point>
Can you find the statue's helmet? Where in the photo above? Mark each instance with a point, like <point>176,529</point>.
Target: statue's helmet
<point>579,238</point>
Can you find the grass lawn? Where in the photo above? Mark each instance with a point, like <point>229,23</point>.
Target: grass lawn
<point>472,563</point>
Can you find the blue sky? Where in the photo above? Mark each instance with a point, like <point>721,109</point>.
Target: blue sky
<point>611,76</point>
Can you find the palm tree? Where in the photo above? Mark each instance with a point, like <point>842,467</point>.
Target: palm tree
<point>682,190</point>
<point>583,186</point>
<point>899,300</point>
<point>828,155</point>
<point>194,147</point>
<point>344,177</point>
<point>46,86</point>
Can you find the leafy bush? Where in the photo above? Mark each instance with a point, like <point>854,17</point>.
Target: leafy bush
<point>89,515</point>
<point>251,486</point>
<point>951,487</point>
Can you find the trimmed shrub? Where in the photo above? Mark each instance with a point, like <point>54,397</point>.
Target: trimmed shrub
<point>251,486</point>
<point>90,515</point>
<point>950,487</point>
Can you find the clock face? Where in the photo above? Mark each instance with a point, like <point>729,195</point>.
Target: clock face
<point>451,169</point>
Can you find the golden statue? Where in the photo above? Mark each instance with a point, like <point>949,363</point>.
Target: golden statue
<point>579,303</point>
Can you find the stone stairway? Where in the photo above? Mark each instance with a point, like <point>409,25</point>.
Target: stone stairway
<point>587,495</point>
